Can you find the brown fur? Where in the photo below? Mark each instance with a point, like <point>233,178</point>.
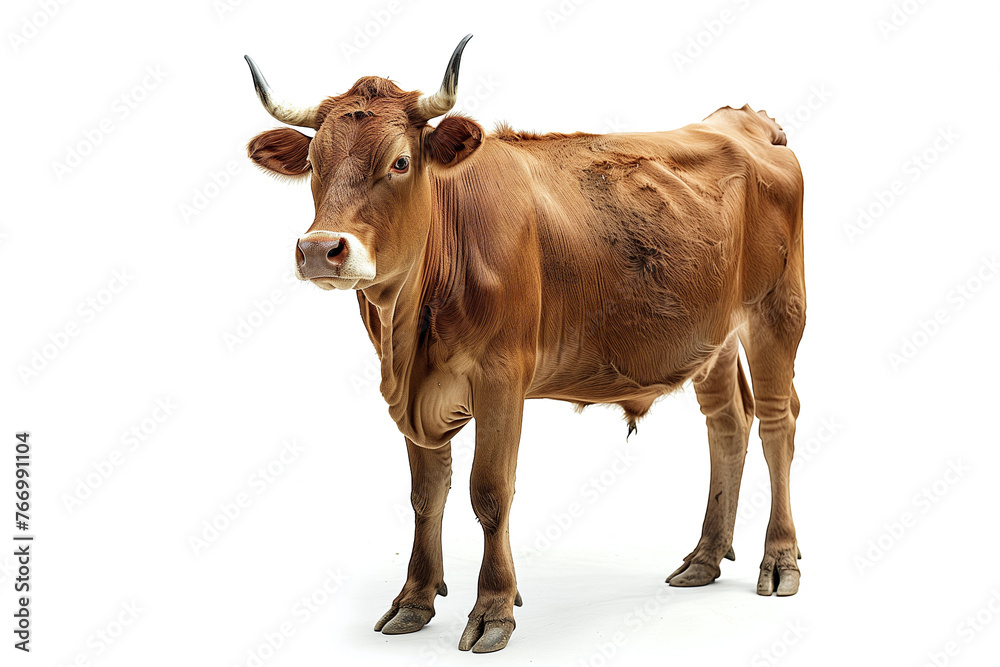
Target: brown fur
<point>581,267</point>
<point>284,151</point>
<point>455,136</point>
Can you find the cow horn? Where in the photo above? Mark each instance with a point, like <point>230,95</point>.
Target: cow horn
<point>441,102</point>
<point>283,111</point>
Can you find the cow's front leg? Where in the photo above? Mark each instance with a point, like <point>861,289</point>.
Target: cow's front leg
<point>497,408</point>
<point>430,479</point>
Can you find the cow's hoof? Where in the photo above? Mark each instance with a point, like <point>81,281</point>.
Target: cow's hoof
<point>485,637</point>
<point>401,620</point>
<point>779,574</point>
<point>693,574</point>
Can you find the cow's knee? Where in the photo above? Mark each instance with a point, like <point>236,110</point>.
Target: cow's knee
<point>776,415</point>
<point>730,425</point>
<point>728,417</point>
<point>491,504</point>
<point>428,503</point>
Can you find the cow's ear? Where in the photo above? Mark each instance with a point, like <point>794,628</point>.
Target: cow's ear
<point>454,139</point>
<point>283,151</point>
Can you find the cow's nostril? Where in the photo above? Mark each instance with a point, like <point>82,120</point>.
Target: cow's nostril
<point>336,250</point>
<point>322,255</point>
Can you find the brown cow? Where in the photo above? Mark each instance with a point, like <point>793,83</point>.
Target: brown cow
<point>491,268</point>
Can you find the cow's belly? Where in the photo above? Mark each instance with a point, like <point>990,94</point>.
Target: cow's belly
<point>635,332</point>
<point>622,367</point>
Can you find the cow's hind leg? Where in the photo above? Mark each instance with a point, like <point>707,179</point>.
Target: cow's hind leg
<point>774,330</point>
<point>430,475</point>
<point>727,404</point>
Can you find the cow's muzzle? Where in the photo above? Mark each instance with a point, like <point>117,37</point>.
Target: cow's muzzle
<point>322,257</point>
<point>339,258</point>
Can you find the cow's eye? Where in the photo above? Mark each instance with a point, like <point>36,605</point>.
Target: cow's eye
<point>401,164</point>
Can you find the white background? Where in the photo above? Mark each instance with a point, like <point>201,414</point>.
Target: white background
<point>861,99</point>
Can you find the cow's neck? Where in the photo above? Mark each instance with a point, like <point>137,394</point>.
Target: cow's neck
<point>401,309</point>
<point>397,315</point>
<point>409,307</point>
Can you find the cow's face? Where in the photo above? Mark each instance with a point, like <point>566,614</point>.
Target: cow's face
<point>367,165</point>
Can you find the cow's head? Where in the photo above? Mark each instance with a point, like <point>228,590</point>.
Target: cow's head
<point>368,166</point>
